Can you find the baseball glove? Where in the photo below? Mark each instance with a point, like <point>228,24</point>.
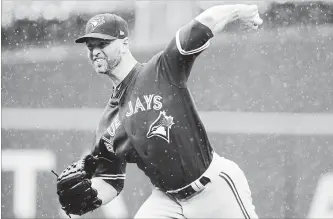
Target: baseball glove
<point>76,195</point>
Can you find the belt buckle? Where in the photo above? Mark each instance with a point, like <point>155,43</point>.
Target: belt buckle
<point>200,183</point>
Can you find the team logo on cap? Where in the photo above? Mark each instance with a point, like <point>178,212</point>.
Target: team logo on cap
<point>161,127</point>
<point>96,21</point>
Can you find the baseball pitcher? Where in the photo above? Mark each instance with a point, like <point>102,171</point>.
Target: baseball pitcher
<point>150,119</point>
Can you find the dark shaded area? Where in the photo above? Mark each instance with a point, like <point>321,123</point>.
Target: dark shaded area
<point>275,73</point>
<point>26,33</point>
<point>299,13</point>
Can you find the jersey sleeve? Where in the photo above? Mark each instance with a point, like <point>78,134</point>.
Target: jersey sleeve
<point>178,57</point>
<point>110,168</point>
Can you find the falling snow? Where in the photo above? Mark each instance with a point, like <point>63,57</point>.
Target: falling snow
<point>276,83</point>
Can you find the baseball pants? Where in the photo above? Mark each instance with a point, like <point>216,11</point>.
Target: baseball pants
<point>227,196</point>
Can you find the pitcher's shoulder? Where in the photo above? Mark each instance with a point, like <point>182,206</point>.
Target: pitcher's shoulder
<point>152,66</point>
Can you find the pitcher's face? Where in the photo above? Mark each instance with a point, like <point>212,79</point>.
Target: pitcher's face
<point>105,55</point>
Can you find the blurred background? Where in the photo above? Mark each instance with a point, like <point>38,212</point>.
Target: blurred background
<point>265,97</point>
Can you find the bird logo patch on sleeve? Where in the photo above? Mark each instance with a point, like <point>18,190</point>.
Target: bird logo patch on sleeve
<point>161,127</point>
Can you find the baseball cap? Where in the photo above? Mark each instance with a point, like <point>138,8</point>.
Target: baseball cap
<point>105,26</point>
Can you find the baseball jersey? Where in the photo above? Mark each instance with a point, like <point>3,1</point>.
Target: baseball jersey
<point>151,119</point>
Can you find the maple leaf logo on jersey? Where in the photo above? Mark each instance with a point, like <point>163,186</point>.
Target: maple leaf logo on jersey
<point>161,127</point>
<point>98,20</point>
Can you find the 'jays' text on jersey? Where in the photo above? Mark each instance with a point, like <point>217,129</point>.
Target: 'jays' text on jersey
<point>151,120</point>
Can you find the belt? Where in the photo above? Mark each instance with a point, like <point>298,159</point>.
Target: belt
<point>191,189</point>
<point>198,185</point>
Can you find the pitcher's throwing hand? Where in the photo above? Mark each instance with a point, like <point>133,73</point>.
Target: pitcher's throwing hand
<point>249,15</point>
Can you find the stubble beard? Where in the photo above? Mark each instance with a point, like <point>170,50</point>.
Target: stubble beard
<point>104,66</point>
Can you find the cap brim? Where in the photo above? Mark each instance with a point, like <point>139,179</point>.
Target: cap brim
<point>84,38</point>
